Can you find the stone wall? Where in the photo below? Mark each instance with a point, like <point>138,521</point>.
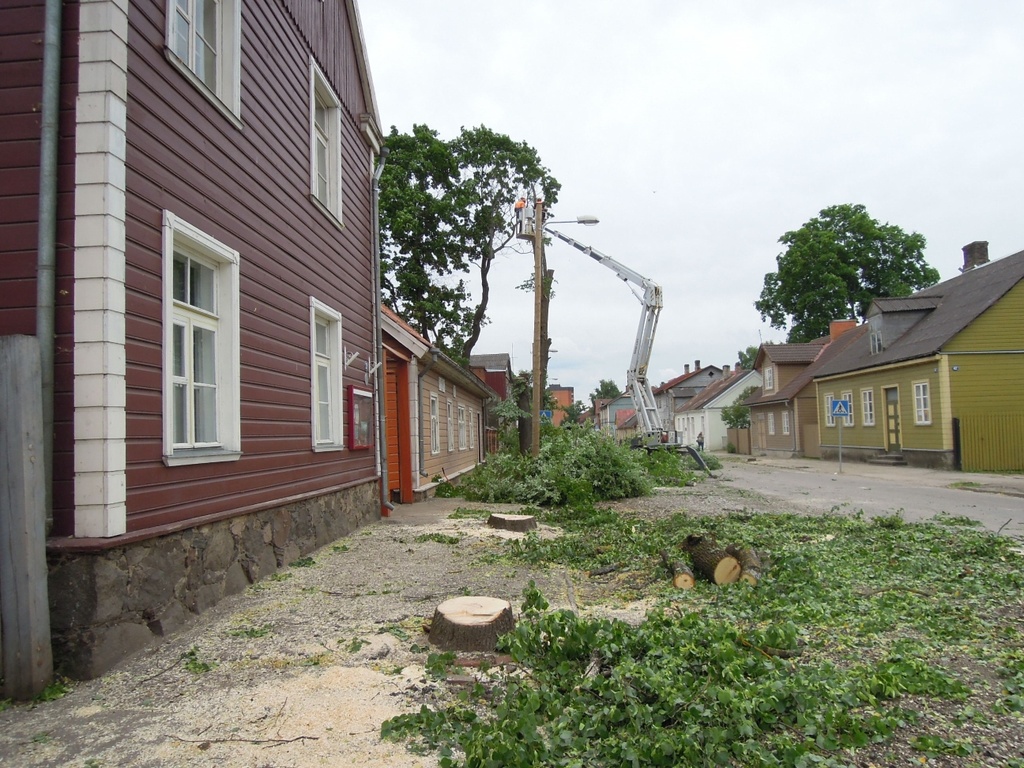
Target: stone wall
<point>106,605</point>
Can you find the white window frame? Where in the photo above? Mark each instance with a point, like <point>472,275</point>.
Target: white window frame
<point>463,443</point>
<point>922,403</point>
<point>785,422</point>
<point>769,378</point>
<point>771,423</point>
<point>225,93</point>
<point>867,407</point>
<point>848,397</point>
<point>830,420</point>
<point>474,421</point>
<point>180,236</point>
<point>435,427</point>
<point>330,360</point>
<point>875,341</point>
<point>324,139</point>
<point>450,425</point>
<point>441,384</point>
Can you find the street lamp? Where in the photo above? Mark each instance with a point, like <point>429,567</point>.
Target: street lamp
<point>538,308</point>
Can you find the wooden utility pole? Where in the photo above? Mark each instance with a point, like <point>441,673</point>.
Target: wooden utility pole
<point>24,609</point>
<point>538,293</point>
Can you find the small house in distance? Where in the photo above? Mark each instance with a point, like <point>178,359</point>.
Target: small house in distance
<point>435,414</point>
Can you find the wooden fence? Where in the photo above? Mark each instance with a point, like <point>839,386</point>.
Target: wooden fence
<point>992,442</point>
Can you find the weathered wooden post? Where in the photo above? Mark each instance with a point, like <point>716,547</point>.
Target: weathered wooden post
<point>24,610</point>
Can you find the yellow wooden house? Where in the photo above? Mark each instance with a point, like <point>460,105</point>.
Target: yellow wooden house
<point>936,380</point>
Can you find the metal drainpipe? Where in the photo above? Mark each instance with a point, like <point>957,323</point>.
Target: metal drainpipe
<point>378,339</point>
<point>434,351</point>
<point>46,259</point>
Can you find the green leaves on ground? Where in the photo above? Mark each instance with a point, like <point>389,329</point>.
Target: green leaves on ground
<point>853,621</point>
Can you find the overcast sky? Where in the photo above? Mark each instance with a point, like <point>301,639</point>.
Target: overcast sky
<point>700,132</point>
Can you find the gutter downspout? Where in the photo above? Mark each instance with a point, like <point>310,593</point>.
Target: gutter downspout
<point>46,259</point>
<point>434,351</point>
<point>378,341</point>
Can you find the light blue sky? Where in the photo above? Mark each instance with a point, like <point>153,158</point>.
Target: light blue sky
<point>700,132</point>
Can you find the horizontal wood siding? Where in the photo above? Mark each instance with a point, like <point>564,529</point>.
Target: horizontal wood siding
<point>21,73</point>
<point>986,383</point>
<point>999,328</point>
<point>935,436</point>
<point>992,442</point>
<point>454,461</point>
<point>249,189</point>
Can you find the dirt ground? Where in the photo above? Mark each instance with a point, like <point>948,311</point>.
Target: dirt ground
<point>302,669</point>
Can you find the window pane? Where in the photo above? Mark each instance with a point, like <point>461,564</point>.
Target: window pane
<point>179,38</point>
<point>206,20</point>
<point>320,116</point>
<point>323,386</point>
<point>206,414</point>
<point>178,342</point>
<point>201,287</point>
<point>321,338</point>
<point>206,64</point>
<point>179,416</point>
<point>321,168</point>
<point>180,287</point>
<point>204,360</point>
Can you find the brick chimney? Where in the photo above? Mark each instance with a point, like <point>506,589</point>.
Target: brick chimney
<point>975,254</point>
<point>837,328</point>
<point>696,365</point>
<point>726,373</point>
<point>686,369</point>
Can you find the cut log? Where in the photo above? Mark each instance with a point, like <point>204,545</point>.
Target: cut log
<point>682,576</point>
<point>750,563</point>
<point>711,562</point>
<point>471,623</point>
<point>517,523</point>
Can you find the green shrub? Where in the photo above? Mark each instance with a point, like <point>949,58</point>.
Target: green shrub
<point>576,465</point>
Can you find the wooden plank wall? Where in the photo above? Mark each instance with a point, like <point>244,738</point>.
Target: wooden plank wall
<point>248,188</point>
<point>992,442</point>
<point>21,63</point>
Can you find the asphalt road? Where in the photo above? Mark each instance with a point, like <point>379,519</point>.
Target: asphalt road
<point>995,500</point>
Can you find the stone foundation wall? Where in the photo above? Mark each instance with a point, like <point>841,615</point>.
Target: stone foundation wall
<point>106,605</point>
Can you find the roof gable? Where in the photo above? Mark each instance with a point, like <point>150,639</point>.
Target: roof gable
<point>946,309</point>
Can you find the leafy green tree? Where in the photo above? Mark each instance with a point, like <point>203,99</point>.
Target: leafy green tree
<point>574,411</point>
<point>747,357</point>
<point>606,390</point>
<point>834,265</point>
<point>737,415</point>
<point>446,209</point>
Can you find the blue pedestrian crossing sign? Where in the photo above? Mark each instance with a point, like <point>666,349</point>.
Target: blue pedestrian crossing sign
<point>841,409</point>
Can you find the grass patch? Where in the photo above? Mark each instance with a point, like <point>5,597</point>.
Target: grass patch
<point>440,538</point>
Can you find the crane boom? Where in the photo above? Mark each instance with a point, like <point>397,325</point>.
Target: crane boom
<point>651,300</point>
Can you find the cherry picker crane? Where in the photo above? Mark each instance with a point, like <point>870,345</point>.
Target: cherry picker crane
<point>651,302</point>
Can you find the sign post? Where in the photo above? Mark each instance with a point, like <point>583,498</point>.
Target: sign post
<point>841,410</point>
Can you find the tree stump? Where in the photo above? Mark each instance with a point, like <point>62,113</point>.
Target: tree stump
<point>750,563</point>
<point>517,523</point>
<point>714,564</point>
<point>682,576</point>
<point>471,623</point>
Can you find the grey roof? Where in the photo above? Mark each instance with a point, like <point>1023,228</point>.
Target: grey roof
<point>957,303</point>
<point>826,354</point>
<point>494,362</point>
<point>904,304</point>
<point>793,353</point>
<point>715,389</point>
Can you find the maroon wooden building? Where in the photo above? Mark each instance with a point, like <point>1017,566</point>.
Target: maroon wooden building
<point>215,307</point>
